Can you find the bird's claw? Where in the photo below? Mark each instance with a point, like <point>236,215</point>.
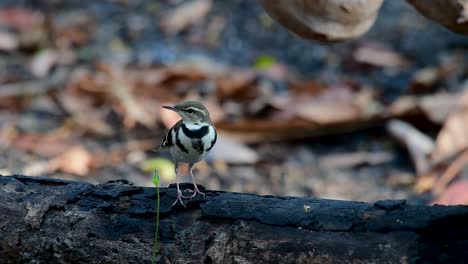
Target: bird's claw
<point>195,192</point>
<point>179,199</point>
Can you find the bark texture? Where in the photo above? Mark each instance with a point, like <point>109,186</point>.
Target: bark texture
<point>53,221</point>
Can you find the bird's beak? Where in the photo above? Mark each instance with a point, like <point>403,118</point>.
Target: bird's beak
<point>170,107</point>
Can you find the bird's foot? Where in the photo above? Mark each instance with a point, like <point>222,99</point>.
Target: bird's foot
<point>179,199</point>
<point>195,192</point>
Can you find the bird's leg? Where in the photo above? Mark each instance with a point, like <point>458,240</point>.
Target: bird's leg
<point>195,187</point>
<point>179,193</point>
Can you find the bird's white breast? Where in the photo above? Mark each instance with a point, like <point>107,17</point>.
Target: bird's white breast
<point>193,155</point>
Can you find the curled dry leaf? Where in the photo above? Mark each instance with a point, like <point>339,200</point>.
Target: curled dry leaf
<point>331,20</point>
<point>187,14</point>
<point>418,144</point>
<point>76,160</point>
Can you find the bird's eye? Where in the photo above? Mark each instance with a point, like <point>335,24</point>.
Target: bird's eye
<point>189,111</point>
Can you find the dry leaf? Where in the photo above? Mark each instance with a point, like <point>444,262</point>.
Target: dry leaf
<point>8,41</point>
<point>43,62</point>
<point>337,104</point>
<point>418,144</point>
<point>436,107</point>
<point>454,134</point>
<point>45,145</point>
<point>185,15</point>
<point>327,112</point>
<point>331,20</point>
<point>232,151</point>
<point>452,171</point>
<point>84,113</point>
<point>237,85</point>
<point>121,90</point>
<point>379,56</point>
<point>76,160</point>
<point>424,79</point>
<point>456,194</point>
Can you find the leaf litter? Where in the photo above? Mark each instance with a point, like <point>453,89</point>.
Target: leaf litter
<point>262,105</point>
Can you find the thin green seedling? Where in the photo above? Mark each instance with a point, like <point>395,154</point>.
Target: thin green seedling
<point>156,247</point>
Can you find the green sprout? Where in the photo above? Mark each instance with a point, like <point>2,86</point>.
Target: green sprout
<point>156,183</point>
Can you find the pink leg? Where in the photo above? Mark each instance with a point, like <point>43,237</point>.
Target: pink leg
<point>179,193</point>
<point>195,187</point>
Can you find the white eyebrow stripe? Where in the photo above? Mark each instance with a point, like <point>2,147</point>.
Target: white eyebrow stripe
<point>195,109</point>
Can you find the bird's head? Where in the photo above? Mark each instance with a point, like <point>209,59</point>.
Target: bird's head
<point>191,112</point>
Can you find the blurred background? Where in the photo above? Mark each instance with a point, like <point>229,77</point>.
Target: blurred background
<point>82,82</point>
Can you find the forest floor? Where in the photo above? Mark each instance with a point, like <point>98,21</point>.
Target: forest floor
<point>82,82</point>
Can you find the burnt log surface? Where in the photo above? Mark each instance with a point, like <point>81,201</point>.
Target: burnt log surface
<point>46,220</point>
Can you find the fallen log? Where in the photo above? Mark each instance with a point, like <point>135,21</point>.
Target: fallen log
<point>46,220</point>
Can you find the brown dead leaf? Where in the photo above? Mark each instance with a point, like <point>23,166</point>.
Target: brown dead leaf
<point>238,85</point>
<point>436,107</point>
<point>337,108</point>
<point>45,145</point>
<point>122,91</point>
<point>454,134</point>
<point>75,160</point>
<point>187,14</point>
<point>380,56</point>
<point>456,194</point>
<point>86,109</point>
<point>327,112</point>
<point>336,105</point>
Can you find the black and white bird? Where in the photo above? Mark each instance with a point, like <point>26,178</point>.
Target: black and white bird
<point>189,140</point>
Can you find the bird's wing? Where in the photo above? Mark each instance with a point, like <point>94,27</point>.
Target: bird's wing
<point>167,141</point>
